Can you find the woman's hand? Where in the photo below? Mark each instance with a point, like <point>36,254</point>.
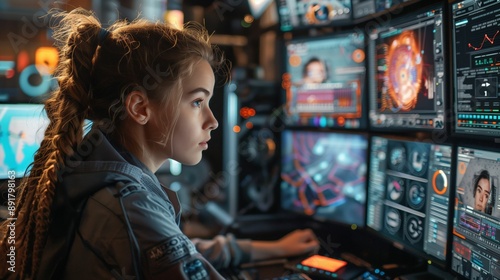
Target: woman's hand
<point>297,242</point>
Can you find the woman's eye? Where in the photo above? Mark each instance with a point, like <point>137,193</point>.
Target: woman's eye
<point>197,103</point>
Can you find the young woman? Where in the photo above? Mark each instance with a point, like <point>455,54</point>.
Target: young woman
<point>91,206</point>
<point>482,191</point>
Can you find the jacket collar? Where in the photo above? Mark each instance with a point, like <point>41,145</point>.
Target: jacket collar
<point>99,163</point>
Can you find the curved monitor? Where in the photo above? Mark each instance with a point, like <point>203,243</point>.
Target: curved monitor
<point>475,41</point>
<point>323,175</point>
<point>409,195</point>
<point>476,224</point>
<point>326,88</point>
<point>408,72</point>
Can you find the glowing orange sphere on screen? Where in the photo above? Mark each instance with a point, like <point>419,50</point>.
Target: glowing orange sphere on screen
<point>404,71</point>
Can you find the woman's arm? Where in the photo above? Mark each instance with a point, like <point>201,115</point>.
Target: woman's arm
<point>297,242</point>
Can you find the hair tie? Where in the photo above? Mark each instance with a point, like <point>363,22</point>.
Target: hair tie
<point>103,34</point>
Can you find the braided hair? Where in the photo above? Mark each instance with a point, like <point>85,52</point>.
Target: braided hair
<point>98,68</point>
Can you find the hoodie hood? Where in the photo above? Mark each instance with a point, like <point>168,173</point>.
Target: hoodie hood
<point>98,164</point>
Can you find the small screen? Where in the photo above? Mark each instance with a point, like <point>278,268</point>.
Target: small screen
<point>324,175</point>
<point>324,263</point>
<point>476,55</point>
<point>22,128</point>
<point>325,88</point>
<point>409,194</point>
<point>363,8</point>
<point>407,72</point>
<point>476,224</point>
<point>298,14</point>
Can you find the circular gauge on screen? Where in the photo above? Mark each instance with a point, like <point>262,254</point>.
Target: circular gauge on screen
<point>416,195</point>
<point>414,228</point>
<point>419,159</point>
<point>395,188</point>
<point>440,182</point>
<point>392,220</point>
<point>397,158</point>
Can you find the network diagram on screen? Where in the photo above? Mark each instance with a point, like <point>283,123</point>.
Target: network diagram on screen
<point>324,175</point>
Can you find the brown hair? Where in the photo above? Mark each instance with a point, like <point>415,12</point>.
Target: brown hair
<point>98,68</point>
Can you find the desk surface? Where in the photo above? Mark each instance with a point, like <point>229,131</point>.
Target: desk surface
<point>358,247</point>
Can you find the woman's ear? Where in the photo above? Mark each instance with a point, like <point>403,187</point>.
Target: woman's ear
<point>138,106</point>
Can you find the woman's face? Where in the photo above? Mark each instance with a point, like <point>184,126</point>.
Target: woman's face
<point>316,72</point>
<point>482,194</point>
<point>196,120</point>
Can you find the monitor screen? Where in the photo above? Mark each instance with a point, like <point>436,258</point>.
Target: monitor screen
<point>22,127</point>
<point>299,14</point>
<point>324,175</point>
<point>27,62</point>
<point>325,88</point>
<point>475,41</point>
<point>363,8</point>
<point>476,224</point>
<point>409,195</point>
<point>408,72</point>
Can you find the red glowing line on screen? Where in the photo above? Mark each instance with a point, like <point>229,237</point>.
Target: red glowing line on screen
<point>486,37</point>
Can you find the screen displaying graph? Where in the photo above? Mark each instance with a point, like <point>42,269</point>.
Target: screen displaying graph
<point>476,57</point>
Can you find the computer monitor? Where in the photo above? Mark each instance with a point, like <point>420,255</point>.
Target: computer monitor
<point>476,224</point>
<point>407,70</point>
<point>476,61</point>
<point>363,8</point>
<point>408,199</point>
<point>301,14</point>
<point>326,88</point>
<point>323,175</point>
<point>27,62</point>
<point>22,127</point>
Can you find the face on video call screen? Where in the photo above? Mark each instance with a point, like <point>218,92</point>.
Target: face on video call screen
<point>409,194</point>
<point>407,72</point>
<point>476,225</point>
<point>22,127</point>
<point>296,14</point>
<point>325,88</point>
<point>476,55</point>
<point>324,175</point>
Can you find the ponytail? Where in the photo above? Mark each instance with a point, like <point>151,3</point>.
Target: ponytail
<point>97,69</point>
<point>78,33</point>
